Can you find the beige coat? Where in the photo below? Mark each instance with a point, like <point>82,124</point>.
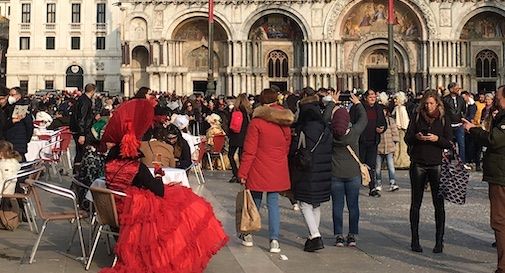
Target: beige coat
<point>152,148</point>
<point>387,145</point>
<point>8,169</point>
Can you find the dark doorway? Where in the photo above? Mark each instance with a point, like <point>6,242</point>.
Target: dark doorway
<point>75,77</point>
<point>484,87</point>
<point>378,79</point>
<point>283,86</point>
<point>201,86</point>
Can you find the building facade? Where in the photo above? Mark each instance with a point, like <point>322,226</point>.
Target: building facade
<point>318,43</point>
<point>60,44</point>
<point>288,43</point>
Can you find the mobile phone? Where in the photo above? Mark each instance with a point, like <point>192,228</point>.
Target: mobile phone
<point>345,96</point>
<point>424,132</point>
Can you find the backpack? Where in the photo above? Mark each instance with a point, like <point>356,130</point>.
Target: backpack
<point>9,213</point>
<point>236,121</point>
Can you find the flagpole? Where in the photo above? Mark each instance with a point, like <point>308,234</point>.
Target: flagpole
<point>391,48</point>
<point>211,89</point>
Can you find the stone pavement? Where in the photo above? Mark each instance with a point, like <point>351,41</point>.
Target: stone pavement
<point>383,243</point>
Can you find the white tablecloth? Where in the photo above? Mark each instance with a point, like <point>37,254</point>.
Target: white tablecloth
<point>174,175</point>
<point>35,145</point>
<point>34,148</point>
<point>171,175</point>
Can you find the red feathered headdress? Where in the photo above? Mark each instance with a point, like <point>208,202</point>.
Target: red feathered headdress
<point>128,124</point>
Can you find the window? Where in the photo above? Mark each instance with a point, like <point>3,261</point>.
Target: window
<point>25,13</point>
<point>76,13</point>
<point>24,86</point>
<point>277,64</point>
<point>51,13</point>
<point>24,43</point>
<point>100,13</point>
<point>100,43</point>
<point>99,86</point>
<point>76,43</point>
<point>50,43</point>
<point>486,64</point>
<point>49,84</point>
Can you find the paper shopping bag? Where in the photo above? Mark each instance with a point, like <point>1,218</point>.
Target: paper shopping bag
<point>247,217</point>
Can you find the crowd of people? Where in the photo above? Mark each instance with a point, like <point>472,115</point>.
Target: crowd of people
<point>308,146</point>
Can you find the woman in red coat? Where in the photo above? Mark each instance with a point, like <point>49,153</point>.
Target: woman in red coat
<point>264,164</point>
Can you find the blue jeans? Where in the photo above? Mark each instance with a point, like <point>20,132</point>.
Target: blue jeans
<point>348,188</point>
<point>391,168</point>
<point>459,135</point>
<point>274,215</point>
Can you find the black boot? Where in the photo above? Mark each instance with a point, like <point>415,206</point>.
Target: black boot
<point>314,244</point>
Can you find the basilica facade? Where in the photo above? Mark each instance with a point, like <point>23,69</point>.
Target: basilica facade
<point>288,43</point>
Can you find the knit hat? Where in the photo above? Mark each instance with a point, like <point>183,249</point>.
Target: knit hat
<point>181,121</point>
<point>268,96</point>
<point>340,121</point>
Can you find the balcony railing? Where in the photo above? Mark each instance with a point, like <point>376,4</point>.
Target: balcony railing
<point>24,26</point>
<point>75,26</point>
<point>50,26</point>
<point>101,26</point>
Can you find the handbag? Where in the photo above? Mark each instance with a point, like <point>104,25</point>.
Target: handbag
<point>303,156</point>
<point>247,216</point>
<point>364,169</point>
<point>454,178</point>
<point>9,213</point>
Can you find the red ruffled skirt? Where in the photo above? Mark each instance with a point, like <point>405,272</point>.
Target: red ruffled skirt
<point>178,233</point>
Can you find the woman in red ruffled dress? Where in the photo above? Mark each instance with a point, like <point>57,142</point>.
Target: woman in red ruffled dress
<point>163,228</point>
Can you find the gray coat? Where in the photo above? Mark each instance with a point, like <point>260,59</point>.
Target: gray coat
<point>343,164</point>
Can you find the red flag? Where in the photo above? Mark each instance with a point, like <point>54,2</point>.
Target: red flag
<point>211,11</point>
<point>391,11</point>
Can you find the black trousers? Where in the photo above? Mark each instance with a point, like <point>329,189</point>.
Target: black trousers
<point>231,157</point>
<point>419,176</point>
<point>79,150</point>
<point>368,156</point>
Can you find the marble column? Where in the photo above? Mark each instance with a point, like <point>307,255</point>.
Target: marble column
<point>126,82</point>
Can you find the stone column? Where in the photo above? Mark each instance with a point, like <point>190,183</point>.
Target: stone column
<point>163,81</point>
<point>126,82</point>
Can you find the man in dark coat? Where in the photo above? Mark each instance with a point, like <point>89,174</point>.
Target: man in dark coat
<point>370,138</point>
<point>455,109</point>
<point>494,170</point>
<point>81,121</point>
<point>4,94</point>
<point>18,129</point>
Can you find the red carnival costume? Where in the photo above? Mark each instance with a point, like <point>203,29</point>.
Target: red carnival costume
<point>166,230</point>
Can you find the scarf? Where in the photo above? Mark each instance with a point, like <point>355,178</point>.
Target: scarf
<point>430,117</point>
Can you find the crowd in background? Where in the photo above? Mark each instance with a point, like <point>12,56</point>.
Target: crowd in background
<point>340,130</point>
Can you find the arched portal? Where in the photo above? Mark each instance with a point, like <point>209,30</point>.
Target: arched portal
<point>276,39</point>
<point>193,34</point>
<point>74,77</point>
<point>140,61</point>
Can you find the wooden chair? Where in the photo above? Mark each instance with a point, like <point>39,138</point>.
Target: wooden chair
<point>216,151</point>
<point>75,215</point>
<point>107,217</point>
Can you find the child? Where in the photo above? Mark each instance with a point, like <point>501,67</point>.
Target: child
<point>9,167</point>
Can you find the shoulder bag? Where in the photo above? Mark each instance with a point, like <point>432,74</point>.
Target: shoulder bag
<point>365,173</point>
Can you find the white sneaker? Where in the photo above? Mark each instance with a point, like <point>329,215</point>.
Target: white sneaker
<point>274,246</point>
<point>247,239</point>
<point>378,188</point>
<point>467,167</point>
<point>296,207</point>
<point>394,187</point>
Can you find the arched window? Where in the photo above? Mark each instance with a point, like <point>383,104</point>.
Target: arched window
<point>278,64</point>
<point>486,64</point>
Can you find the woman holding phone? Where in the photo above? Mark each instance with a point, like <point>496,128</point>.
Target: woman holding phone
<point>427,135</point>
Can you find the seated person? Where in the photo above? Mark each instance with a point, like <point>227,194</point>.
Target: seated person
<point>182,122</point>
<point>43,119</point>
<point>182,152</point>
<point>60,119</point>
<point>164,228</point>
<point>215,128</point>
<point>158,149</point>
<point>9,162</point>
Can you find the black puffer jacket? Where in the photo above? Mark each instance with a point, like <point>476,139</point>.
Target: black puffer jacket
<point>82,116</point>
<point>312,186</point>
<point>19,133</point>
